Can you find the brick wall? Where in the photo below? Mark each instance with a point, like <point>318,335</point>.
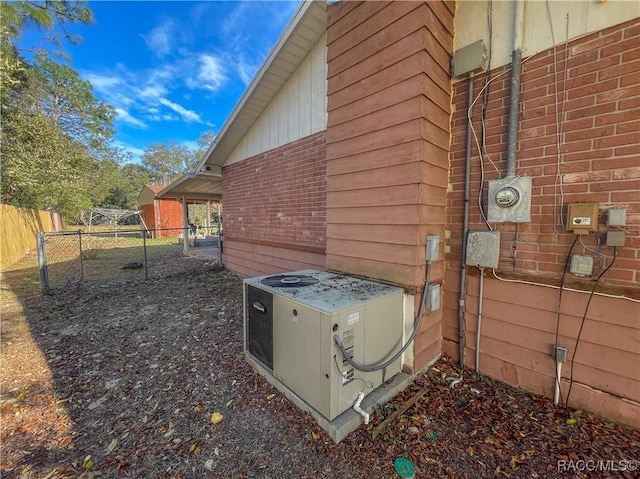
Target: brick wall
<point>594,86</point>
<point>598,98</point>
<point>278,197</point>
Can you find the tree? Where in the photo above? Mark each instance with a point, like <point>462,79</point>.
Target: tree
<point>41,167</point>
<point>126,186</point>
<point>165,162</point>
<point>204,142</point>
<point>62,95</point>
<point>56,151</point>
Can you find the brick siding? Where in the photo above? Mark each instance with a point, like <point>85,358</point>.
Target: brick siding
<point>279,196</point>
<point>598,98</point>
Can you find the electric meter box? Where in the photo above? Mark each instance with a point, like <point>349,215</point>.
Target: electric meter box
<point>510,200</point>
<point>582,218</point>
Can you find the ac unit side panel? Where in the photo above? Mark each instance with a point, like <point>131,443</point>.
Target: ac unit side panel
<point>259,327</point>
<point>383,330</point>
<point>296,349</point>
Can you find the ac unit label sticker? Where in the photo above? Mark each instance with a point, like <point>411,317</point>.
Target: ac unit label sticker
<point>353,318</point>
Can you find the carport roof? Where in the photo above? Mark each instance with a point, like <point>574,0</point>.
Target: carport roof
<point>192,186</point>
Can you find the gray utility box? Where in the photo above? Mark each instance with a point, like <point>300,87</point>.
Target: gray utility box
<point>510,200</point>
<point>290,320</point>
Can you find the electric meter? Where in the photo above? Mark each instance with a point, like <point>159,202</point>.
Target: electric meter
<point>507,196</point>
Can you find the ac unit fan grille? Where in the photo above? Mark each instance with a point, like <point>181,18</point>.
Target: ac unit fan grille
<point>289,281</point>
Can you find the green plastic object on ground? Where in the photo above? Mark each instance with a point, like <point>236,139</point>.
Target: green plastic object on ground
<point>404,467</point>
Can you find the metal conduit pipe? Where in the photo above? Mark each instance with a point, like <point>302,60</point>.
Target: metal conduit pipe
<point>465,231</point>
<point>514,97</point>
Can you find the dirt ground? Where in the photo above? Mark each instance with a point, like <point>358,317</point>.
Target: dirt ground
<point>146,379</point>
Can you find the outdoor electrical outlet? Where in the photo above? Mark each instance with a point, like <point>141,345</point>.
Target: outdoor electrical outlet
<point>560,353</point>
<point>433,297</point>
<point>432,247</point>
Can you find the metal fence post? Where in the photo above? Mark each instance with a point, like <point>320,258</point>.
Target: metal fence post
<point>144,248</point>
<point>219,239</point>
<point>44,277</point>
<point>81,255</point>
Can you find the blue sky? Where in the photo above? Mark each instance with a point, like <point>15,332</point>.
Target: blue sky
<point>174,69</point>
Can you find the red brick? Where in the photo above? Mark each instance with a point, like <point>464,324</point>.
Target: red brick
<point>591,133</point>
<point>633,149</point>
<point>620,70</point>
<point>597,66</point>
<point>629,104</point>
<point>596,43</point>
<point>618,140</point>
<point>632,79</point>
<point>620,47</point>
<point>592,111</point>
<point>589,90</point>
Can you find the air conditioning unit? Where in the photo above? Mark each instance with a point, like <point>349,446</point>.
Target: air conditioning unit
<point>289,324</point>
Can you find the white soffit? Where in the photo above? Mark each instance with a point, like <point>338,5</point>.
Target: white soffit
<point>306,27</point>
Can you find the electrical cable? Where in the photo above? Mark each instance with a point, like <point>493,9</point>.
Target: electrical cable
<point>584,318</point>
<point>558,123</point>
<point>383,364</point>
<point>543,285</point>
<point>564,274</point>
<point>481,155</point>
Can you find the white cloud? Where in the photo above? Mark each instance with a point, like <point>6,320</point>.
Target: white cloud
<point>160,39</point>
<point>211,73</point>
<point>246,70</point>
<point>127,118</point>
<point>152,90</point>
<point>188,115</point>
<point>101,82</point>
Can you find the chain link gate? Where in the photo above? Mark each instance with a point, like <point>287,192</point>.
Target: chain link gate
<point>72,257</point>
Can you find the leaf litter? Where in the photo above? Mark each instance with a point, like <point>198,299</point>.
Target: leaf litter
<point>146,379</point>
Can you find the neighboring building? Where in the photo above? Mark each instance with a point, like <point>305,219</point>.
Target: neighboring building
<point>160,214</point>
<point>350,147</point>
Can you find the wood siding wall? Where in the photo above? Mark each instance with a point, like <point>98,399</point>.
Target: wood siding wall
<point>170,216</point>
<point>299,109</point>
<point>387,143</point>
<point>595,89</point>
<point>274,212</point>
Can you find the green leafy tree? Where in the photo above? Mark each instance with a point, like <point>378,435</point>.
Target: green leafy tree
<point>61,94</point>
<point>56,151</point>
<point>204,142</point>
<point>126,186</point>
<point>165,162</point>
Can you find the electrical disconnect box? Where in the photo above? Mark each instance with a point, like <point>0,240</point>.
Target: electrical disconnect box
<point>483,249</point>
<point>510,200</point>
<point>470,59</point>
<point>582,218</point>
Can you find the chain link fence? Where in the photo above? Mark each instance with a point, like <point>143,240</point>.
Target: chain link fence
<point>71,257</point>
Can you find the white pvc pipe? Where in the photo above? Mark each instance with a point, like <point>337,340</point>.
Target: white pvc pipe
<point>480,296</point>
<point>556,391</point>
<point>359,410</point>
